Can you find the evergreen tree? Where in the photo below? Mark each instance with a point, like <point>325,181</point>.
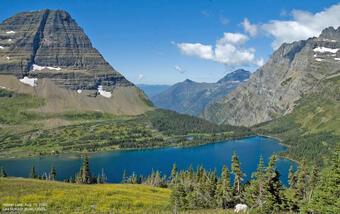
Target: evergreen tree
<point>86,174</point>
<point>275,198</point>
<point>224,191</point>
<point>301,182</point>
<point>291,177</point>
<point>99,181</point>
<point>174,171</point>
<point>313,181</point>
<point>3,173</point>
<point>53,174</point>
<point>256,191</point>
<point>237,172</point>
<point>124,179</point>
<point>140,179</point>
<point>32,173</point>
<point>191,172</point>
<point>326,196</point>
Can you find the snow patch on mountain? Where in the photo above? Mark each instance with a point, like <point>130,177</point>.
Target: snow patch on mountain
<point>39,68</point>
<point>324,49</point>
<point>106,94</point>
<point>29,81</point>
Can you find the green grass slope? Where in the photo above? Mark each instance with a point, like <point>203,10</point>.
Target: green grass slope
<point>26,131</point>
<point>312,130</point>
<point>76,198</point>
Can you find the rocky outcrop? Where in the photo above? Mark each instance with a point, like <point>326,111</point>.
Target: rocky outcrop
<point>51,38</point>
<point>48,47</point>
<point>272,91</point>
<point>191,97</point>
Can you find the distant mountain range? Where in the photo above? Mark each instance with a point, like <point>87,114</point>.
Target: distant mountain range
<point>152,90</point>
<point>189,97</point>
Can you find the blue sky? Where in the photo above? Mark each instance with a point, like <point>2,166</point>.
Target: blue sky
<point>167,41</point>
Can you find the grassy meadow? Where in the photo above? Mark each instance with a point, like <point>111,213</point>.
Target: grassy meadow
<point>78,198</point>
<point>59,197</point>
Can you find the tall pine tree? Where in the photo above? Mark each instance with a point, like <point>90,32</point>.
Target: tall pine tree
<point>86,174</point>
<point>256,191</point>
<point>53,173</point>
<point>224,191</point>
<point>3,172</point>
<point>238,174</point>
<point>32,173</point>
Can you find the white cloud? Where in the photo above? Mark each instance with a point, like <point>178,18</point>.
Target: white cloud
<point>259,62</point>
<point>179,69</point>
<point>234,38</point>
<point>302,25</point>
<point>249,28</point>
<point>196,49</point>
<point>140,76</point>
<point>228,50</point>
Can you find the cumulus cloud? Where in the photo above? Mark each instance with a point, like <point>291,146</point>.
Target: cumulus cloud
<point>196,49</point>
<point>140,76</point>
<point>249,28</point>
<point>179,69</point>
<point>228,50</point>
<point>234,38</point>
<point>302,25</point>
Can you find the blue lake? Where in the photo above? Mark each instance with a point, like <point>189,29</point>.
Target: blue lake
<point>210,156</point>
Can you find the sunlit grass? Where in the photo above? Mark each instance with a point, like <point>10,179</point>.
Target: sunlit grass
<point>77,198</point>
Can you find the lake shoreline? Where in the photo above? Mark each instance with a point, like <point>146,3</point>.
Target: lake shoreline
<point>176,145</point>
<point>286,145</point>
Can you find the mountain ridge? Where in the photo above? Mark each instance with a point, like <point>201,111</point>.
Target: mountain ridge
<point>273,90</point>
<point>190,97</point>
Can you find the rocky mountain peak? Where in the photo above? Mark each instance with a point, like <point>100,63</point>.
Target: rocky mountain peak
<point>238,75</point>
<point>330,33</point>
<point>47,54</point>
<point>52,41</point>
<point>188,81</point>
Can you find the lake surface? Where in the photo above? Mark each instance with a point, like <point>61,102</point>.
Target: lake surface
<point>210,156</point>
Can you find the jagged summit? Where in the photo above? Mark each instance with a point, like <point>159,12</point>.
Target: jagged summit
<point>330,33</point>
<point>47,47</point>
<point>238,75</point>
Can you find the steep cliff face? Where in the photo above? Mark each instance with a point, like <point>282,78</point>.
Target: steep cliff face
<point>49,45</point>
<point>272,91</point>
<point>189,97</point>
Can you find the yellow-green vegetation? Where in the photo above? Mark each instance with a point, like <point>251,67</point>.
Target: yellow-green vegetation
<point>25,131</point>
<point>78,198</point>
<point>62,197</point>
<point>312,130</point>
